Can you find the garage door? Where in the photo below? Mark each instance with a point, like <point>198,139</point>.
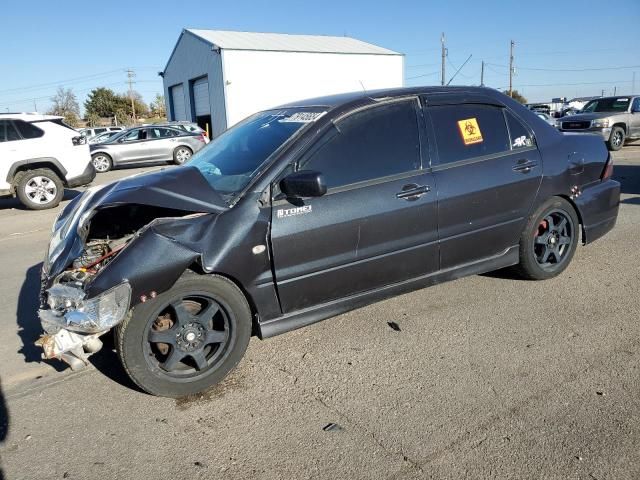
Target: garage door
<point>201,97</point>
<point>177,100</point>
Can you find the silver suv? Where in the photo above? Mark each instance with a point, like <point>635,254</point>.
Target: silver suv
<point>616,119</point>
<point>145,145</point>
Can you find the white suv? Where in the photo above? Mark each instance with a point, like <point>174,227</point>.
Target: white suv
<point>39,156</point>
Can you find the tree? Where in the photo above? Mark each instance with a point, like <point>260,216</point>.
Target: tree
<point>102,102</point>
<point>65,104</point>
<point>517,96</point>
<point>158,108</point>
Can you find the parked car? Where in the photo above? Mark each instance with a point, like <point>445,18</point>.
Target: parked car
<point>103,137</point>
<point>547,118</point>
<point>41,155</point>
<point>186,126</point>
<point>615,119</point>
<point>306,211</point>
<point>144,145</point>
<point>93,131</point>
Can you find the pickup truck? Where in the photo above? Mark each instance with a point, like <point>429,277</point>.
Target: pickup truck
<point>616,119</point>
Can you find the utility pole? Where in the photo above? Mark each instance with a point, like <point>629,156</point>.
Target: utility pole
<point>602,94</point>
<point>444,55</point>
<point>482,74</point>
<point>633,83</point>
<point>130,75</point>
<point>35,105</point>
<point>511,69</point>
<point>615,90</point>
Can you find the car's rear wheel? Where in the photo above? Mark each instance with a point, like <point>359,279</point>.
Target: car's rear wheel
<point>39,189</point>
<point>617,138</point>
<point>549,240</point>
<point>181,155</point>
<point>186,339</point>
<point>102,162</point>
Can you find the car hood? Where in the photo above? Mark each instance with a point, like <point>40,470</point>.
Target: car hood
<point>180,188</point>
<point>585,117</point>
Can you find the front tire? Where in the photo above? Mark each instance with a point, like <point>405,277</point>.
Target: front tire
<point>40,189</point>
<point>616,139</point>
<point>186,339</point>
<point>549,240</point>
<point>181,155</point>
<point>102,162</point>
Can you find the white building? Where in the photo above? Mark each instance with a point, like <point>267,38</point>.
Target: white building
<point>217,78</point>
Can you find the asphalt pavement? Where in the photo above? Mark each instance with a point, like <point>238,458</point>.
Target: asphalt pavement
<point>486,377</point>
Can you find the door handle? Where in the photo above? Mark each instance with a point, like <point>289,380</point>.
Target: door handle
<point>413,191</point>
<point>524,166</point>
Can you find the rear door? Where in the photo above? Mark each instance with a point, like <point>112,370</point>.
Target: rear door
<point>634,118</point>
<point>375,226</point>
<point>488,172</point>
<point>160,143</point>
<point>9,147</point>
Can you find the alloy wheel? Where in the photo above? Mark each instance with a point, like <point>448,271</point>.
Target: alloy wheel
<point>41,190</point>
<point>553,238</point>
<point>182,155</point>
<point>101,163</point>
<point>189,337</point>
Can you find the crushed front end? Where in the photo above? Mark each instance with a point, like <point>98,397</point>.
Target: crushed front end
<point>89,234</point>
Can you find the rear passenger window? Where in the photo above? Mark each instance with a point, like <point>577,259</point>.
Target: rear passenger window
<point>27,130</point>
<point>521,137</point>
<point>8,132</point>
<point>375,143</point>
<point>467,131</point>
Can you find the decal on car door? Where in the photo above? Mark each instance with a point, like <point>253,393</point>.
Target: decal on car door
<point>470,131</point>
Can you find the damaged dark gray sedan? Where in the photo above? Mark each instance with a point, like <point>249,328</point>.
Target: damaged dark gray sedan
<point>306,211</point>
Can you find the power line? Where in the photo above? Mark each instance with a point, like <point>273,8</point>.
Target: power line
<point>423,75</point>
<point>570,84</point>
<point>66,82</point>
<point>588,69</point>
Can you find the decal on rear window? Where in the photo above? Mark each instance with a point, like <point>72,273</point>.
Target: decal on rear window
<point>470,131</point>
<point>303,117</point>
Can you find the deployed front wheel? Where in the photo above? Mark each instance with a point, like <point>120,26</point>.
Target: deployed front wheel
<point>186,339</point>
<point>549,240</point>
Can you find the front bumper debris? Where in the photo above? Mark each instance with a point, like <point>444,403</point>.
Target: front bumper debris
<point>70,347</point>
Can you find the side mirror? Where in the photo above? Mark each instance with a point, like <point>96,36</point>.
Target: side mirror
<point>305,183</point>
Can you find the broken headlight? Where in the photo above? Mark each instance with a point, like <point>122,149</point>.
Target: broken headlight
<point>69,309</point>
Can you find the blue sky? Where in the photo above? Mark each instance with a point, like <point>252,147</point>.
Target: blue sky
<point>83,45</point>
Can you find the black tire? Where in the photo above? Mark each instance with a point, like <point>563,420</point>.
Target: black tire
<point>181,154</point>
<point>546,235</point>
<point>39,189</point>
<point>144,360</point>
<point>102,162</point>
<point>616,139</point>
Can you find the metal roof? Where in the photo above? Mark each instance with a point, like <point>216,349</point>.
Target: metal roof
<point>283,42</point>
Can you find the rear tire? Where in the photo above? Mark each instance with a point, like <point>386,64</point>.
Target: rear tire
<point>102,162</point>
<point>549,240</point>
<point>173,345</point>
<point>616,139</point>
<point>181,155</point>
<point>39,189</point>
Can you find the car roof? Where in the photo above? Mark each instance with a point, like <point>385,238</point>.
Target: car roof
<point>30,117</point>
<point>331,101</point>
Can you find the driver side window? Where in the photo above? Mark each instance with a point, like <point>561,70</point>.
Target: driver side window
<point>378,142</point>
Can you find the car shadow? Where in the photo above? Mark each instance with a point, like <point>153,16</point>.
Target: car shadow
<point>14,203</point>
<point>29,330</point>
<point>4,424</point>
<point>629,178</point>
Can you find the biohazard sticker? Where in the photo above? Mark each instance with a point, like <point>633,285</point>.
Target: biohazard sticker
<point>470,131</point>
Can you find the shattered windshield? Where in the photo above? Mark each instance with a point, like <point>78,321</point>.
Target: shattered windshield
<point>619,104</point>
<point>231,160</point>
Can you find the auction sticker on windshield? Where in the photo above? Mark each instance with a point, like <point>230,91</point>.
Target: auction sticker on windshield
<point>303,117</point>
<point>470,131</point>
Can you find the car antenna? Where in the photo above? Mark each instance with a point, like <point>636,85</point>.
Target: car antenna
<point>363,89</point>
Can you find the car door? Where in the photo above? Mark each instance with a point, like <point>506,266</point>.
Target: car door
<point>9,139</point>
<point>133,147</point>
<point>375,226</point>
<point>160,142</point>
<point>488,172</point>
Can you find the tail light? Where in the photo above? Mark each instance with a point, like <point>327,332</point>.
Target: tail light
<point>201,138</point>
<point>81,140</point>
<point>607,172</point>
